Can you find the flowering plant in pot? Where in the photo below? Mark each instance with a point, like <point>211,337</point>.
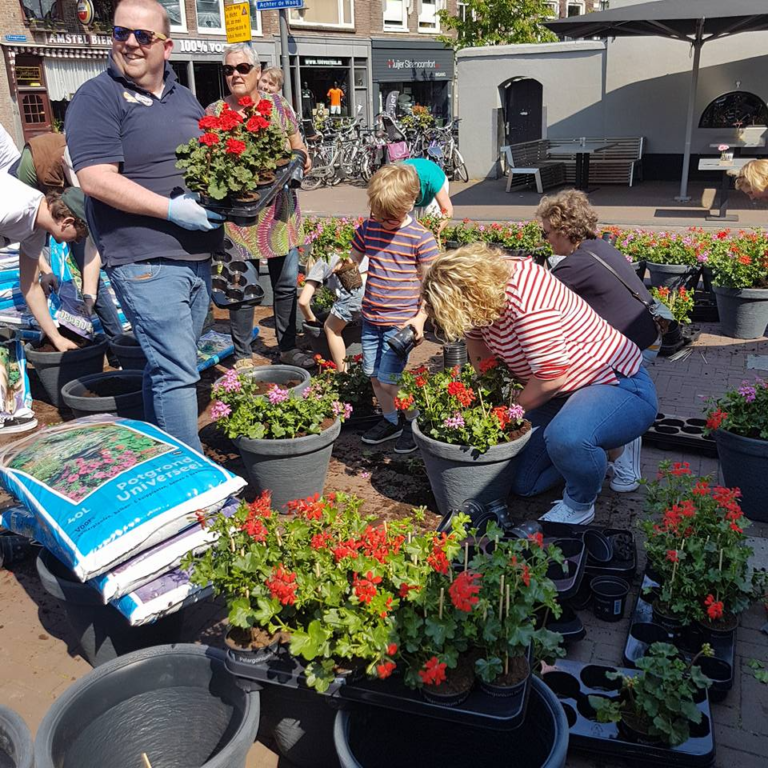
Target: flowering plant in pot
<point>329,236</point>
<point>698,550</point>
<point>234,153</point>
<point>350,385</point>
<point>739,422</point>
<point>659,703</point>
<point>679,301</point>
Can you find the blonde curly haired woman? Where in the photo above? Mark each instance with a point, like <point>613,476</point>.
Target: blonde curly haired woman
<point>584,386</point>
<point>752,180</point>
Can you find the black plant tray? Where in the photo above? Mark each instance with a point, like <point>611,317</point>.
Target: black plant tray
<point>480,709</point>
<point>687,336</point>
<point>672,433</point>
<point>231,289</point>
<point>624,568</point>
<point>720,667</point>
<point>705,308</point>
<point>573,682</point>
<point>569,625</point>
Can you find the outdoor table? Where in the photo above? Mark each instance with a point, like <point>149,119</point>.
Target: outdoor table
<point>582,150</point>
<point>716,164</point>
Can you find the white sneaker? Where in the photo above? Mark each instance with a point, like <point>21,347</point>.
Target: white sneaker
<point>626,469</point>
<point>14,426</point>
<point>562,513</point>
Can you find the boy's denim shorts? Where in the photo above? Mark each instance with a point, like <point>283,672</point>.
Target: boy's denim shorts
<point>379,360</point>
<point>348,306</point>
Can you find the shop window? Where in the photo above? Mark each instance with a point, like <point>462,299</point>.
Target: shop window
<point>576,8</point>
<point>324,13</point>
<point>42,10</point>
<point>553,9</point>
<point>395,14</point>
<point>177,14</point>
<point>738,109</point>
<point>428,19</point>
<point>33,109</point>
<point>361,78</point>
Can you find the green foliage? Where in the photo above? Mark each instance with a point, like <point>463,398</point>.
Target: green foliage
<point>742,410</point>
<point>350,386</point>
<point>462,407</point>
<point>323,299</point>
<point>679,301</point>
<point>660,697</point>
<point>696,543</point>
<point>524,235</point>
<point>240,410</point>
<point>497,22</point>
<point>759,671</point>
<point>330,236</point>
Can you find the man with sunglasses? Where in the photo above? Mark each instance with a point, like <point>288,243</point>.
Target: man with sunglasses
<point>123,127</point>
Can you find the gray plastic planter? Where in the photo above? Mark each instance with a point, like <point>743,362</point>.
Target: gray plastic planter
<point>55,369</point>
<point>129,405</point>
<point>100,631</point>
<point>743,312</point>
<point>457,472</point>
<point>129,352</point>
<point>319,341</point>
<point>671,275</point>
<point>175,703</point>
<point>377,738</point>
<point>277,374</point>
<point>290,469</point>
<point>744,463</point>
<point>15,742</point>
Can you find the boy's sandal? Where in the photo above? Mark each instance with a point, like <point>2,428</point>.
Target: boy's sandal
<point>298,358</point>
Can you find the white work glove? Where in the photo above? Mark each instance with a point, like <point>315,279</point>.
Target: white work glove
<point>186,212</point>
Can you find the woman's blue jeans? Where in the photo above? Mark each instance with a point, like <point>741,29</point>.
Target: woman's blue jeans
<point>575,432</point>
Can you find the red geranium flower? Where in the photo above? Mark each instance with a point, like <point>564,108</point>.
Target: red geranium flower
<point>537,539</point>
<point>438,559</point>
<point>714,607</point>
<point>488,364</point>
<point>209,139</point>
<point>404,403</point>
<point>246,101</point>
<point>282,585</point>
<point>716,419</point>
<point>406,588</point>
<point>464,591</point>
<point>681,468</point>
<point>385,670</point>
<point>256,123</point>
<point>264,107</point>
<point>201,519</point>
<point>391,649</point>
<point>235,147</point>
<point>365,589</point>
<point>229,120</point>
<point>208,122</point>
<point>433,672</point>
<point>672,556</point>
<point>526,576</point>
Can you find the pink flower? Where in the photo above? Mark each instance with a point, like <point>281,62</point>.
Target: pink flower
<point>516,412</point>
<point>341,409</point>
<point>276,395</point>
<point>219,410</point>
<point>231,382</point>
<point>454,422</point>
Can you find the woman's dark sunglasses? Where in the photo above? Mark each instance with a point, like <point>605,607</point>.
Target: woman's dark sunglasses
<point>143,36</point>
<point>243,69</point>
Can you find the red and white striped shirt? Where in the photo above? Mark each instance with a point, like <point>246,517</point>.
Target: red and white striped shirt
<point>547,331</point>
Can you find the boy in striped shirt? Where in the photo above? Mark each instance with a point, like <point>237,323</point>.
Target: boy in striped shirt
<point>398,249</point>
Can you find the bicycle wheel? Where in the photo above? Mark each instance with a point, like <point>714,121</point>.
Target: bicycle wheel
<point>460,171</point>
<point>312,180</point>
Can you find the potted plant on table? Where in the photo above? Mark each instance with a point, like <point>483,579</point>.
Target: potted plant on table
<point>234,155</point>
<point>285,441</point>
<point>740,283</point>
<point>739,422</point>
<point>657,705</point>
<point>468,428</point>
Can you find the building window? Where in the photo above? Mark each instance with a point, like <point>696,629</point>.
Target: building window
<point>176,14</point>
<point>605,5</point>
<point>324,13</point>
<point>428,19</point>
<point>737,109</point>
<point>553,9</point>
<point>576,8</point>
<point>33,109</point>
<point>395,14</point>
<point>41,10</point>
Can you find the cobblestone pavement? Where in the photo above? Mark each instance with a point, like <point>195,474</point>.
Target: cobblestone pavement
<point>38,661</point>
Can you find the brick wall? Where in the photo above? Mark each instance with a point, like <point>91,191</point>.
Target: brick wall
<point>11,23</point>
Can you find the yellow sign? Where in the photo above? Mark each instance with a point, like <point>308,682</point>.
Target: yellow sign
<point>237,19</point>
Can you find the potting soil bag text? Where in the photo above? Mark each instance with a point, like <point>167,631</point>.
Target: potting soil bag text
<point>103,489</point>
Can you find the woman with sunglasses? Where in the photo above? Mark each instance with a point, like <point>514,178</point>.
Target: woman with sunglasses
<point>569,225</point>
<point>278,232</point>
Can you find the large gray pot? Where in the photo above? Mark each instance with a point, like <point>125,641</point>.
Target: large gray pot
<point>55,369</point>
<point>457,472</point>
<point>129,352</point>
<point>15,742</point>
<point>377,738</point>
<point>743,311</point>
<point>129,405</point>
<point>351,334</point>
<point>277,374</point>
<point>744,462</point>
<point>291,469</point>
<point>671,275</point>
<point>175,703</point>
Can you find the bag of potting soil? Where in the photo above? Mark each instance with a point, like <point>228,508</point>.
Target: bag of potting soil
<point>213,347</point>
<point>103,489</point>
<point>165,595</point>
<point>15,397</point>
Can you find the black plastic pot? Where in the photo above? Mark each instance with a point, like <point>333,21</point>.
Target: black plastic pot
<point>609,596</point>
<point>130,405</point>
<point>176,704</point>
<point>101,631</point>
<point>599,546</point>
<point>55,369</point>
<point>376,738</point>
<point>129,352</point>
<point>454,354</point>
<point>16,749</point>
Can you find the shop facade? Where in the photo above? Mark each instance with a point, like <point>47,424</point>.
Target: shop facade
<point>411,72</point>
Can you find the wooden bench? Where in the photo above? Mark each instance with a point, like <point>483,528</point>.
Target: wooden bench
<point>531,159</point>
<point>621,163</point>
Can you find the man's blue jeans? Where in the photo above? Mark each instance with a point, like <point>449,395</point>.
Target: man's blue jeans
<point>166,302</point>
<point>575,432</point>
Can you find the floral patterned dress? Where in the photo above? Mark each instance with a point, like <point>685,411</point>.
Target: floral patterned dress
<point>279,227</point>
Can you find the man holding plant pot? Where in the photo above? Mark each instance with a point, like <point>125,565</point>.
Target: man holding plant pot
<point>123,127</point>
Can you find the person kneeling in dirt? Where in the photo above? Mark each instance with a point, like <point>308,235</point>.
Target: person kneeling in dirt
<point>346,309</point>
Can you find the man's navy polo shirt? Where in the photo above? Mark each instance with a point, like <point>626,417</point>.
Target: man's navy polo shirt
<point>111,120</point>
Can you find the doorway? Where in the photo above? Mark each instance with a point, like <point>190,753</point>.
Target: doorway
<point>523,108</point>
